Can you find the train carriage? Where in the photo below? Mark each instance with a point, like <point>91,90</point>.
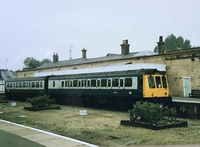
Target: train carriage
<point>22,88</point>
<point>112,85</point>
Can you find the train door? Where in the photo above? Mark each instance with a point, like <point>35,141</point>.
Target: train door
<point>186,86</point>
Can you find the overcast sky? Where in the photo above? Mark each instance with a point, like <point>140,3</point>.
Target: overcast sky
<point>39,28</point>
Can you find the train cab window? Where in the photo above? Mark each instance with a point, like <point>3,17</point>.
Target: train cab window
<point>62,83</point>
<point>164,81</point>
<point>103,82</point>
<point>115,82</point>
<point>158,82</point>
<point>128,82</point>
<point>151,81</point>
<point>66,84</point>
<point>93,83</point>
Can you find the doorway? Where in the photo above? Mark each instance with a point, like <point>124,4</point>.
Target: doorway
<point>186,86</point>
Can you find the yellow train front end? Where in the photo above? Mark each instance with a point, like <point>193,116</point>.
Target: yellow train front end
<point>155,87</point>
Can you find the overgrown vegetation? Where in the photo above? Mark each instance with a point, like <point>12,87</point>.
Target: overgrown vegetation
<point>41,101</point>
<point>152,113</point>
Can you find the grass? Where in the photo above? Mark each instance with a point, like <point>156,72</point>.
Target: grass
<point>99,127</point>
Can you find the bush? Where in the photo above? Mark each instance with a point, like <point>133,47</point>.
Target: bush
<point>41,101</point>
<point>151,113</point>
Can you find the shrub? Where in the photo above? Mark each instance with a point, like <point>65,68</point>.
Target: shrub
<point>41,101</point>
<point>151,112</point>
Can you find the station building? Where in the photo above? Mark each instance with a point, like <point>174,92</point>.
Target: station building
<point>182,66</point>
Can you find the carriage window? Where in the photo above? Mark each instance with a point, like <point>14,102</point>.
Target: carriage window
<point>109,82</point>
<point>54,83</point>
<point>98,83</point>
<point>121,82</point>
<point>164,81</point>
<point>66,84</point>
<point>158,82</point>
<point>84,83</point>
<point>62,84</point>
<point>37,84</point>
<point>115,82</point>
<point>74,83</point>
<point>79,83</point>
<point>93,83</point>
<point>128,82</point>
<point>103,82</point>
<point>20,84</point>
<point>71,83</point>
<point>13,84</point>
<point>10,84</point>
<point>24,84</point>
<point>16,84</point>
<point>89,83</point>
<point>40,84</point>
<point>151,82</point>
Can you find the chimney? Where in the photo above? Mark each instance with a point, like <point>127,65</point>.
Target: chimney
<point>55,58</point>
<point>83,53</point>
<point>125,47</point>
<point>161,47</point>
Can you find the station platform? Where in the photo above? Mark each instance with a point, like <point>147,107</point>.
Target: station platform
<point>185,99</point>
<point>15,135</point>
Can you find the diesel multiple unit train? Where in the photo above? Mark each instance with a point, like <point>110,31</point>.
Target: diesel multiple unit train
<point>112,85</point>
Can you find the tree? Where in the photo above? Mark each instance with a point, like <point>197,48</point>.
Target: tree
<point>31,63</point>
<point>175,43</point>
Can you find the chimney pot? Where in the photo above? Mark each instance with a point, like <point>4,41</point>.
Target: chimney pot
<point>83,53</point>
<point>125,47</point>
<point>161,47</point>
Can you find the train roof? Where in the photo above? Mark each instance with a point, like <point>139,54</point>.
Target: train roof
<point>108,68</point>
<point>26,79</point>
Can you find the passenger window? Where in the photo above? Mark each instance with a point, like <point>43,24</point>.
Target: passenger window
<point>79,83</point>
<point>93,83</point>
<point>151,82</point>
<point>20,84</point>
<point>75,83</point>
<point>66,84</point>
<point>164,81</point>
<point>115,82</point>
<point>109,83</point>
<point>89,83</point>
<point>98,83</point>
<point>40,84</point>
<point>10,84</point>
<point>37,84</point>
<point>121,82</point>
<point>62,84</point>
<point>128,82</point>
<point>158,82</point>
<point>103,82</point>
<point>70,83</point>
<point>17,85</point>
<point>54,83</point>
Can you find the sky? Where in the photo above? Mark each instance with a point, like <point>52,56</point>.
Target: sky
<point>40,28</point>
